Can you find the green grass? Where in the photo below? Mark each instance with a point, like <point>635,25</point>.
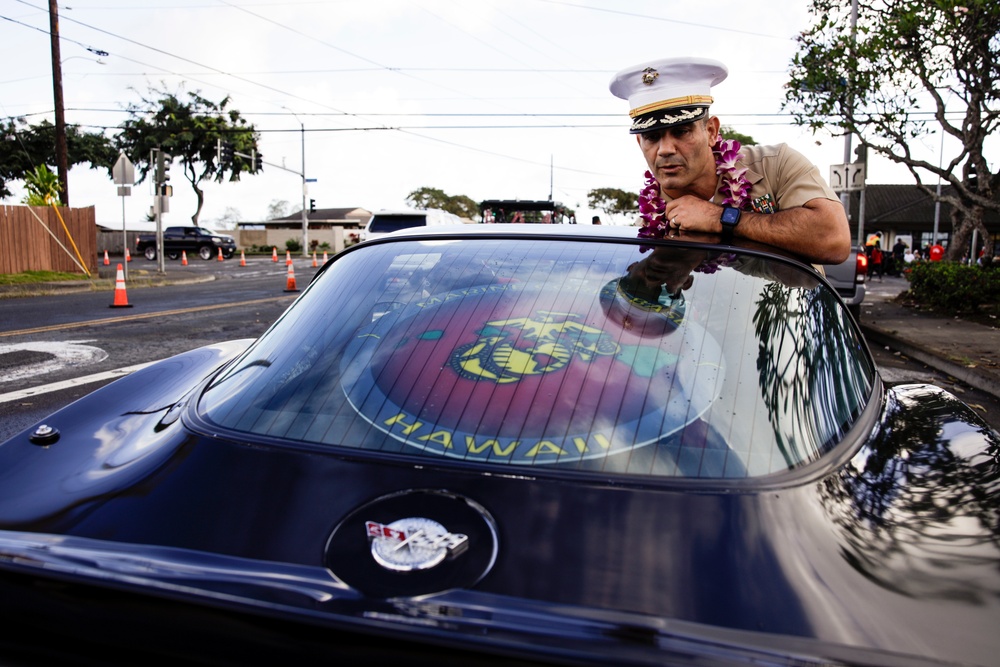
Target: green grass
<point>30,277</point>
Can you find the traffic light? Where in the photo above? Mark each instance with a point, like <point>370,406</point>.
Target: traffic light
<point>862,154</point>
<point>226,153</point>
<point>312,205</point>
<point>163,161</point>
<point>256,161</point>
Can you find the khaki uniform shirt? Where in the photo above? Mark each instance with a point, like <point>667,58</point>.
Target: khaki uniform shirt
<point>781,178</point>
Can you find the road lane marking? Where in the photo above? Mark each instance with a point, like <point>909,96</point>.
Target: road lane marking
<point>143,316</point>
<point>75,382</point>
<point>58,354</point>
<point>119,372</point>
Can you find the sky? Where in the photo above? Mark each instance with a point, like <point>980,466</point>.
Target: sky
<point>491,99</point>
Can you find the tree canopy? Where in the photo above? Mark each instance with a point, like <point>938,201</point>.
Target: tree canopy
<point>24,148</point>
<point>189,130</point>
<point>42,186</point>
<point>911,67</point>
<point>278,208</point>
<point>744,139</point>
<point>613,201</point>
<point>460,205</point>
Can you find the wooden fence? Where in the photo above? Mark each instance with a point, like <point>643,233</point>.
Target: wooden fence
<point>32,238</point>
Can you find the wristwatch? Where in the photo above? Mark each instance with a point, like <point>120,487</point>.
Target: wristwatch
<point>730,218</point>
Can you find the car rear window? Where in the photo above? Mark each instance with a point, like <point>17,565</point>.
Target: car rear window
<point>568,354</point>
<point>386,224</point>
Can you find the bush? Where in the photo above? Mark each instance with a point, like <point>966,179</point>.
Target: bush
<point>953,287</point>
<point>293,245</point>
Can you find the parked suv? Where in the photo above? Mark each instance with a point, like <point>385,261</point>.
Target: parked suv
<point>191,240</point>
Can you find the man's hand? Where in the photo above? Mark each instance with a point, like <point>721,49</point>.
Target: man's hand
<point>691,214</point>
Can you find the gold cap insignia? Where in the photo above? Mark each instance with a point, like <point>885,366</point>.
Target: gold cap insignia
<point>649,76</point>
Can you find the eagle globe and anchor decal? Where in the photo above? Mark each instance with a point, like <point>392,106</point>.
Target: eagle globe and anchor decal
<point>513,375</point>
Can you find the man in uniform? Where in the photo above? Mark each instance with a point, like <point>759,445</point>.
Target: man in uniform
<point>700,183</point>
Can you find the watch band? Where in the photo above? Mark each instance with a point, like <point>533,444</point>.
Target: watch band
<point>729,219</point>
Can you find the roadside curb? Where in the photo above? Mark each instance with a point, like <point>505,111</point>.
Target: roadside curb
<point>986,382</point>
<point>95,285</point>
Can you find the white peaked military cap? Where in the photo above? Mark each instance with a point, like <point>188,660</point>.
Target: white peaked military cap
<point>666,92</point>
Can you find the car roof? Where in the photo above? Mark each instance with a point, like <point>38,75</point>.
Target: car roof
<point>536,230</point>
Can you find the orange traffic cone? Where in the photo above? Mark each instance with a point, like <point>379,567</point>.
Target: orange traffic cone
<point>243,258</point>
<point>121,299</point>
<point>325,260</point>
<point>128,257</point>
<point>288,258</point>
<point>220,255</point>
<point>290,284</point>
<point>184,258</point>
<point>315,263</point>
<point>274,254</point>
<point>107,262</point>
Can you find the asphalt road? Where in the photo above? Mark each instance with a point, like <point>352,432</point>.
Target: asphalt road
<point>77,342</point>
<point>896,367</point>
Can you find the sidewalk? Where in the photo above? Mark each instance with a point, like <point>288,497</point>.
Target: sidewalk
<point>968,351</point>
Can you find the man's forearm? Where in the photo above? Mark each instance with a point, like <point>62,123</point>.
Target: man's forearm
<point>817,231</point>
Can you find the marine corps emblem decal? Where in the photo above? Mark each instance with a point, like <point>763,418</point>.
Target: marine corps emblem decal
<point>518,376</point>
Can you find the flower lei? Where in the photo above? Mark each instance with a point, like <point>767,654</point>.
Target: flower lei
<point>735,189</point>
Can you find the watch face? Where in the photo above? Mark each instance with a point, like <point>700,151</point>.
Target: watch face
<point>730,215</point>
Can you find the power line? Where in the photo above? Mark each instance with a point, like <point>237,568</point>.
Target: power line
<point>188,60</point>
<point>647,17</point>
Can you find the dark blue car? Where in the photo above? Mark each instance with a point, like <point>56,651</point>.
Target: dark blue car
<point>542,445</point>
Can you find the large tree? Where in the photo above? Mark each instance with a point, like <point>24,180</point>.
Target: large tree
<point>460,205</point>
<point>910,68</point>
<point>190,130</point>
<point>25,148</point>
<point>278,208</point>
<point>613,201</point>
<point>728,132</point>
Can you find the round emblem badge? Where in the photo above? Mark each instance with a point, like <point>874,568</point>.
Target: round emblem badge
<point>414,543</point>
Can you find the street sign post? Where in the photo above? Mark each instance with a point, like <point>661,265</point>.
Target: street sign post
<point>124,176</point>
<point>123,171</point>
<point>847,177</point>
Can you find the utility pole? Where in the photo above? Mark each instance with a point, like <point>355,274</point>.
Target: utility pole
<point>305,186</point>
<point>305,214</point>
<point>845,196</point>
<point>226,153</point>
<point>62,160</point>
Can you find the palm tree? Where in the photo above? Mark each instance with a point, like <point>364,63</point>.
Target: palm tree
<point>42,186</point>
